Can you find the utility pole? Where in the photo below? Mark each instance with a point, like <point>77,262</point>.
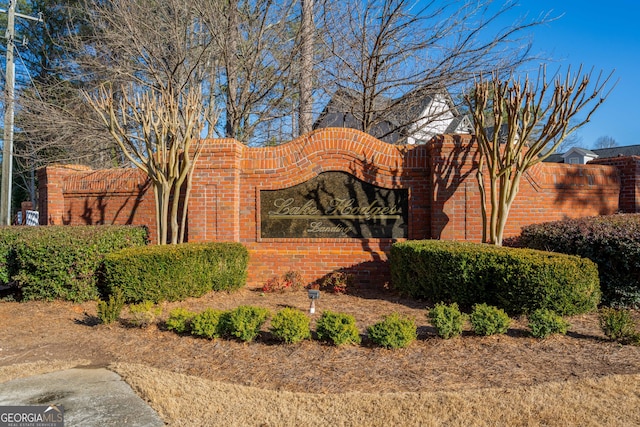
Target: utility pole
<point>7,147</point>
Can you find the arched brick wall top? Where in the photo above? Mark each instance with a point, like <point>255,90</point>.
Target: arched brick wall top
<point>329,149</point>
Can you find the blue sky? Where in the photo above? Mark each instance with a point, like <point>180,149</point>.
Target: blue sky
<point>605,36</point>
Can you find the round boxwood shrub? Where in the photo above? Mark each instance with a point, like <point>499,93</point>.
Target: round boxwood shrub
<point>209,324</point>
<point>394,331</point>
<point>337,328</point>
<point>179,320</point>
<point>489,320</point>
<point>244,322</point>
<point>447,319</point>
<point>543,323</point>
<point>290,325</point>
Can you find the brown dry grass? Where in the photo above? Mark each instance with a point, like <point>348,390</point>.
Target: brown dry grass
<point>190,401</point>
<point>578,379</point>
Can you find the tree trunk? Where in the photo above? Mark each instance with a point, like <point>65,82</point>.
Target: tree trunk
<point>305,112</point>
<point>231,68</point>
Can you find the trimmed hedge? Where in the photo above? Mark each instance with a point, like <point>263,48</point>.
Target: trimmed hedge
<point>8,237</point>
<point>612,242</point>
<point>61,262</point>
<point>516,280</point>
<point>175,272</point>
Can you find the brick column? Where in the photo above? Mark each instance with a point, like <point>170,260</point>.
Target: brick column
<point>453,160</point>
<point>50,191</point>
<point>629,168</point>
<point>214,208</point>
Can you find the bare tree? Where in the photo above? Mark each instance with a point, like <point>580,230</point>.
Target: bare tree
<point>152,56</point>
<point>164,143</point>
<point>572,140</point>
<point>256,41</point>
<point>521,108</point>
<point>52,122</point>
<point>56,126</point>
<point>605,142</point>
<point>389,55</point>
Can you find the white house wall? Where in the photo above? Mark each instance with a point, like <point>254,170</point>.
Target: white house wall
<point>428,127</point>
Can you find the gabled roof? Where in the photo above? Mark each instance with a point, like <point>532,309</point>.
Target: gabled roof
<point>579,151</point>
<point>627,150</point>
<point>394,117</point>
<point>600,153</point>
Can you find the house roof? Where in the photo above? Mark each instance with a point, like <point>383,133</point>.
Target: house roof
<point>580,151</point>
<point>601,153</point>
<point>393,116</point>
<point>627,150</point>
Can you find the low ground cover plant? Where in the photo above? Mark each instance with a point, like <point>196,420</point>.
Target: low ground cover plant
<point>337,282</point>
<point>544,322</point>
<point>144,314</point>
<point>489,320</point>
<point>394,331</point>
<point>179,320</point>
<point>337,328</point>
<point>516,280</point>
<point>109,311</point>
<point>290,326</point>
<point>447,319</point>
<point>244,322</point>
<point>290,281</point>
<point>617,324</point>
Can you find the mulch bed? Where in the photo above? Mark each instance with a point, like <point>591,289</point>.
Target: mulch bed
<point>37,331</point>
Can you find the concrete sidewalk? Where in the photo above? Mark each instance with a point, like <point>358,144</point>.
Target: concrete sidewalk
<point>90,397</point>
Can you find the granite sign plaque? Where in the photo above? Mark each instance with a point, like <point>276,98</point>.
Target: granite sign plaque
<point>334,204</point>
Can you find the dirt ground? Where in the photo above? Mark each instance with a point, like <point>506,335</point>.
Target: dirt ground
<point>62,331</point>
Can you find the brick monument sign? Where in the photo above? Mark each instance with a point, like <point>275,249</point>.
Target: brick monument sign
<point>334,199</point>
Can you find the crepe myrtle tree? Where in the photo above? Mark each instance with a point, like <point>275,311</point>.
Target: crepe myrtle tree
<point>518,124</point>
<point>159,132</point>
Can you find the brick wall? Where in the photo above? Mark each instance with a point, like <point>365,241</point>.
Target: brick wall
<point>629,168</point>
<point>444,200</point>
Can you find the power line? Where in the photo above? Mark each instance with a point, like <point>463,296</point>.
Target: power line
<point>7,149</point>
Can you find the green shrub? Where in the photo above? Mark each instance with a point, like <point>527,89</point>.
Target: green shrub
<point>617,324</point>
<point>244,322</point>
<point>175,272</point>
<point>109,311</point>
<point>62,262</point>
<point>209,324</point>
<point>516,280</point>
<point>447,319</point>
<point>394,331</point>
<point>337,328</point>
<point>489,320</point>
<point>144,314</point>
<point>612,242</point>
<point>8,237</point>
<point>291,325</point>
<point>543,323</point>
<point>179,320</point>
